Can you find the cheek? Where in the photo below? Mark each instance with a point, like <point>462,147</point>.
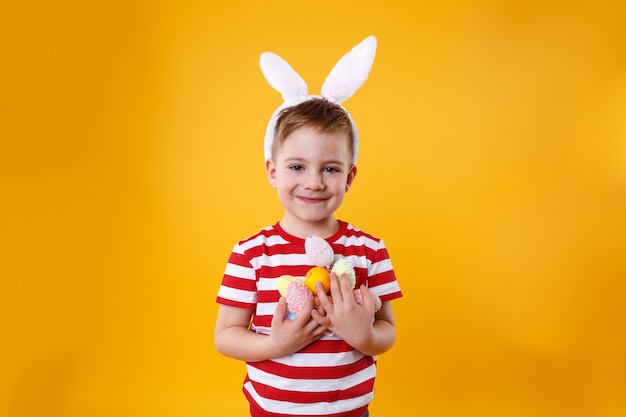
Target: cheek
<point>288,180</point>
<point>339,184</point>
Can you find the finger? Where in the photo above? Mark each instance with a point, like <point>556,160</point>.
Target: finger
<point>320,307</point>
<point>367,299</point>
<point>370,300</point>
<point>344,286</point>
<point>318,332</point>
<point>320,320</point>
<point>322,297</point>
<point>335,289</point>
<point>305,313</point>
<point>280,312</point>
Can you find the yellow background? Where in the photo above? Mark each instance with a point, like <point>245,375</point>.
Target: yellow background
<point>493,163</point>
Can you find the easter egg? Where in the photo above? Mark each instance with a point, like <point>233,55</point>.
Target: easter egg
<point>284,281</point>
<point>319,251</point>
<point>296,295</point>
<point>343,266</point>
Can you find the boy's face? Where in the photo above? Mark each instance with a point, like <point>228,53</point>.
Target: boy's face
<point>311,172</point>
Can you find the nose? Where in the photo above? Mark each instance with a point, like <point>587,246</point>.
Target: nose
<point>313,181</point>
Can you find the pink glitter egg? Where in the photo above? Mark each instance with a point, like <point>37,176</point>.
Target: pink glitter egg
<point>319,251</point>
<point>358,297</point>
<point>297,296</point>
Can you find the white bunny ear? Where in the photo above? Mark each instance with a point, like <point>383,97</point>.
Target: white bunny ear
<point>282,77</point>
<point>350,72</point>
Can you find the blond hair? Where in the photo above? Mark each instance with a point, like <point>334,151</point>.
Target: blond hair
<point>317,113</point>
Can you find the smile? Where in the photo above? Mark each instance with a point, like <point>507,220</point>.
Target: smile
<point>311,200</point>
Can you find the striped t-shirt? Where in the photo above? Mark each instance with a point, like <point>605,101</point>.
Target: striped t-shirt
<point>328,377</point>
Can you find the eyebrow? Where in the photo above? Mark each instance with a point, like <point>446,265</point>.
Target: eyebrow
<point>303,160</point>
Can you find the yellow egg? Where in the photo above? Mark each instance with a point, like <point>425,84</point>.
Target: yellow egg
<point>284,281</point>
<point>317,274</point>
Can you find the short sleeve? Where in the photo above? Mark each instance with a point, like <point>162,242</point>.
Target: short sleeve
<point>381,276</point>
<point>239,284</point>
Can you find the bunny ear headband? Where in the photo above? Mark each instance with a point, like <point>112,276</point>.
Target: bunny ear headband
<point>346,77</point>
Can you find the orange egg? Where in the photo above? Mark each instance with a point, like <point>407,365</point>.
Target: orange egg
<point>317,274</point>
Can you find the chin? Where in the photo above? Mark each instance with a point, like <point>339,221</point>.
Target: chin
<point>315,219</point>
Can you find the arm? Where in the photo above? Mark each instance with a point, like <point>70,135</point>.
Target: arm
<point>234,339</point>
<point>369,332</point>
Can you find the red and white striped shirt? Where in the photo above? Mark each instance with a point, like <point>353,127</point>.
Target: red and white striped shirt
<point>328,377</point>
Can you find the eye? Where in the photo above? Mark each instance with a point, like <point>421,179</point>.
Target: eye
<point>296,167</point>
<point>331,169</point>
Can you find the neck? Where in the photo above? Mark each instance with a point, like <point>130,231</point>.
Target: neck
<point>323,229</point>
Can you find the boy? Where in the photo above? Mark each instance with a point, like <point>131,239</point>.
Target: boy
<point>323,362</point>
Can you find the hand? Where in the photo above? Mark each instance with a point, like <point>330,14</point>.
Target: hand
<point>289,336</point>
<point>343,316</point>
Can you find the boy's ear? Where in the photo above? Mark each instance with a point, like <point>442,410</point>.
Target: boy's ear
<point>351,175</point>
<point>271,172</point>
